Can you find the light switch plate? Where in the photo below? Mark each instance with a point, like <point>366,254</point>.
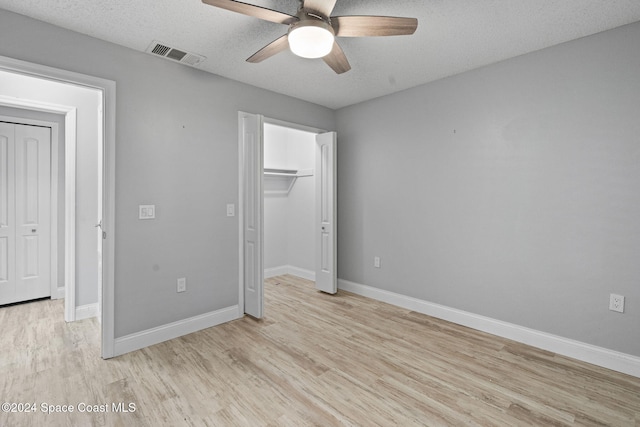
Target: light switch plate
<point>231,209</point>
<point>181,284</point>
<point>146,211</point>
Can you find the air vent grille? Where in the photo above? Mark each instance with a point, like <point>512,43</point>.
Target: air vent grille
<point>176,54</point>
<point>162,49</point>
<point>191,59</point>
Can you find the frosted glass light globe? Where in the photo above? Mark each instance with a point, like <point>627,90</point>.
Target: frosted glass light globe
<point>310,41</point>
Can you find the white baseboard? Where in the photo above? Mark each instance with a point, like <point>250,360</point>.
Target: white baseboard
<point>58,293</point>
<point>301,272</point>
<point>289,269</point>
<point>86,311</point>
<point>275,271</point>
<point>173,330</point>
<point>599,356</point>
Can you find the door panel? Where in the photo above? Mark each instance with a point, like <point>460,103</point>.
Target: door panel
<point>6,172</point>
<point>326,253</point>
<point>27,155</point>
<point>31,257</point>
<point>250,259</point>
<point>7,213</point>
<point>27,234</point>
<point>253,270</point>
<point>325,263</point>
<point>4,260</point>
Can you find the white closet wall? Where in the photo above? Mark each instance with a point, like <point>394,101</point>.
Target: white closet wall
<point>289,216</point>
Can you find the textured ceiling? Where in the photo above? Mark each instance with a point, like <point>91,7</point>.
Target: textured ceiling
<point>453,36</point>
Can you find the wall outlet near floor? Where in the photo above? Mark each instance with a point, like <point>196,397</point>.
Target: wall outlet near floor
<point>616,303</point>
<point>376,261</point>
<point>182,284</point>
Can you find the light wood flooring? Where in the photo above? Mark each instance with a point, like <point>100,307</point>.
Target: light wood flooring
<point>315,359</point>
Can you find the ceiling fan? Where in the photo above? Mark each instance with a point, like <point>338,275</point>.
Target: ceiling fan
<point>312,30</point>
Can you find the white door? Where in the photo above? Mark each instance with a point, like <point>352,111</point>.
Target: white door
<point>251,173</point>
<point>25,197</point>
<point>326,253</point>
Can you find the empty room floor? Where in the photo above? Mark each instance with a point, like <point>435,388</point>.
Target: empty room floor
<point>315,359</point>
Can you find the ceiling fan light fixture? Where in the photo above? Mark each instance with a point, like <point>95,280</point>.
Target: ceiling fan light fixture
<point>311,39</point>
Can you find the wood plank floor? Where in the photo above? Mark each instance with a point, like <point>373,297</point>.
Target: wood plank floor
<point>314,360</point>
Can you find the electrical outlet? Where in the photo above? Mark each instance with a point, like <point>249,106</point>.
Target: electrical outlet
<point>616,303</point>
<point>376,261</point>
<point>182,284</point>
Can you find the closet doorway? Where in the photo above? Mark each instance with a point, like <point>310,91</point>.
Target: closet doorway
<point>289,202</point>
<point>287,206</point>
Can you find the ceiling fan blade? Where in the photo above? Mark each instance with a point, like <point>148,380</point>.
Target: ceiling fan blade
<point>337,60</point>
<point>255,11</point>
<point>369,26</point>
<point>325,7</point>
<point>269,50</point>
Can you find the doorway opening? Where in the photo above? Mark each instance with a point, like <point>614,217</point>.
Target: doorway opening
<point>289,199</point>
<point>45,89</point>
<point>279,180</point>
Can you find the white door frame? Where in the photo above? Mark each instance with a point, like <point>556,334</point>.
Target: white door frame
<point>244,175</point>
<point>107,146</point>
<point>53,217</point>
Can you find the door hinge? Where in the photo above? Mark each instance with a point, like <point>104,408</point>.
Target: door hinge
<point>104,235</point>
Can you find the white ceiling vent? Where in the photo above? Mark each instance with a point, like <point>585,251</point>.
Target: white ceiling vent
<point>162,49</point>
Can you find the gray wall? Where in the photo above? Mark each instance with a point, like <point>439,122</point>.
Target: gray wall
<point>176,147</point>
<point>59,119</point>
<point>511,191</point>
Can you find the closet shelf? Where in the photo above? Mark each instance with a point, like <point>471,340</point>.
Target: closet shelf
<point>280,172</point>
<point>280,181</point>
